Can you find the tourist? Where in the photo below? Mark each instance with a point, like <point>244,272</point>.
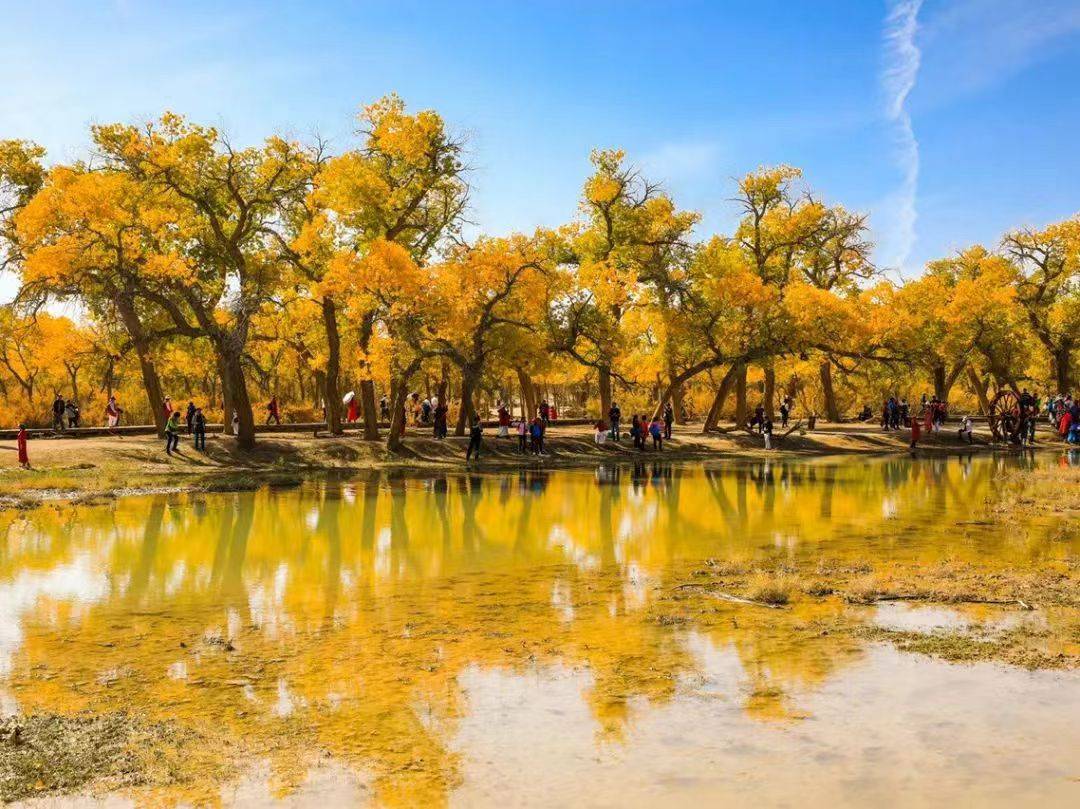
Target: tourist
<point>425,411</point>
<point>273,411</point>
<point>536,433</point>
<point>71,413</point>
<point>476,432</point>
<point>656,430</point>
<point>20,442</point>
<point>353,413</point>
<point>504,421</point>
<point>172,433</point>
<point>545,413</point>
<point>766,431</point>
<point>905,412</point>
<point>439,430</point>
<point>784,412</point>
<point>198,424</point>
<point>635,431</point>
<point>965,429</point>
<point>758,418</point>
<point>58,406</point>
<point>384,409</point>
<point>523,435</point>
<point>614,416</point>
<point>112,413</point>
<point>553,414</point>
<point>235,423</point>
<point>166,408</point>
<point>601,433</point>
<point>190,417</point>
<point>928,417</point>
<point>669,419</point>
<point>916,433</point>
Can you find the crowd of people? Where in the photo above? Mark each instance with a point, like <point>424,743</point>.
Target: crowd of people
<point>1062,412</point>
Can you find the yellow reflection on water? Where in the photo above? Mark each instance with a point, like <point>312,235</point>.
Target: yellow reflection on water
<point>367,623</point>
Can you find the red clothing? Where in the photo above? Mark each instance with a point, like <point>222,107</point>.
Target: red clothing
<point>916,430</point>
<point>354,410</point>
<point>21,442</point>
<point>504,417</point>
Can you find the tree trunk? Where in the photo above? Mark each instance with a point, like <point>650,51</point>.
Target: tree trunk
<point>770,391</point>
<point>528,401</point>
<point>399,391</point>
<point>1061,366</point>
<point>605,390</point>
<point>979,387</point>
<point>832,412</point>
<point>740,396</point>
<point>333,366</point>
<point>940,393</point>
<point>370,410</point>
<point>236,393</point>
<point>722,393</point>
<point>465,412</point>
<point>151,380</point>
<point>227,403</point>
<point>367,384</point>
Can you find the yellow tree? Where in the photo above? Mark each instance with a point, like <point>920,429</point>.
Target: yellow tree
<point>1048,288</point>
<point>629,237</point>
<point>404,185</point>
<point>90,235</point>
<point>221,262</point>
<point>490,297</point>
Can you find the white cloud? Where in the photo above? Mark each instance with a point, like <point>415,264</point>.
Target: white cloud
<point>902,57</point>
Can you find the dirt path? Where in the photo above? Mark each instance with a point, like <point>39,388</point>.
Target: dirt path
<point>65,467</point>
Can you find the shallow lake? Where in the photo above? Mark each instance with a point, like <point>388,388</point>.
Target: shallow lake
<point>516,638</point>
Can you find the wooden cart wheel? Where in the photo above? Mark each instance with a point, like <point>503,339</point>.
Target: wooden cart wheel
<point>1004,416</point>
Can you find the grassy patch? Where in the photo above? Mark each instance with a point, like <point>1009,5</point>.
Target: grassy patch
<point>53,754</point>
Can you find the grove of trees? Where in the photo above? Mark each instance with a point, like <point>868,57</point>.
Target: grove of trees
<point>205,270</point>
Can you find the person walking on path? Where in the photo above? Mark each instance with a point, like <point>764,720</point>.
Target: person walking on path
<point>20,442</point>
<point>669,419</point>
<point>167,408</point>
<point>766,432</point>
<point>58,407</point>
<point>784,413</point>
<point>916,433</point>
<point>536,432</point>
<point>476,433</point>
<point>504,421</point>
<point>172,433</point>
<point>199,428</point>
<point>190,417</point>
<point>112,413</point>
<point>273,411</point>
<point>523,436</point>
<point>614,416</point>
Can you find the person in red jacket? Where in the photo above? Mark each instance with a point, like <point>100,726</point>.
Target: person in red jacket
<point>24,458</point>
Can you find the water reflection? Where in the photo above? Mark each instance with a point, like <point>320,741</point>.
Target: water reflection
<point>341,619</point>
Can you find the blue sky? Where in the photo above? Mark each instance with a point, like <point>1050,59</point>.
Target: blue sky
<point>696,92</point>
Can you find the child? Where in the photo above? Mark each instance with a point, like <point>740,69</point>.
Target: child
<point>965,428</point>
<point>916,433</point>
<point>24,458</point>
<point>523,436</point>
<point>656,430</point>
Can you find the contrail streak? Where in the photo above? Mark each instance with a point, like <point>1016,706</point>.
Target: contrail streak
<point>902,58</point>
